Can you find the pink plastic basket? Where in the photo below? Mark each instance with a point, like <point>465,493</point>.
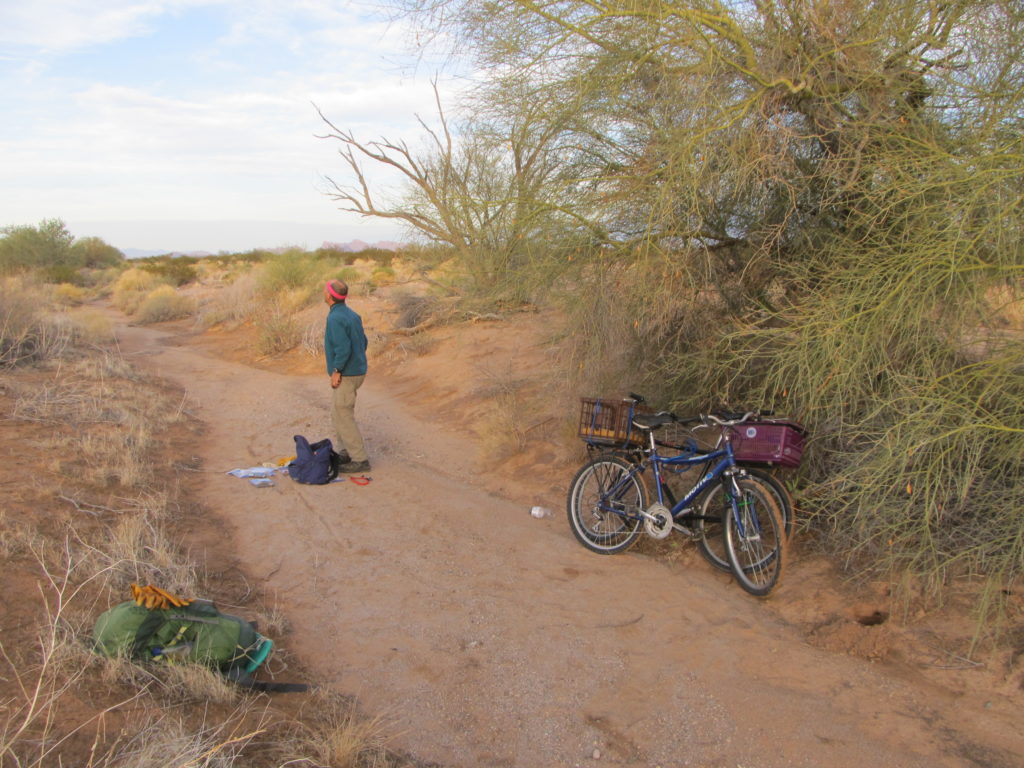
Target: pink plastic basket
<point>769,442</point>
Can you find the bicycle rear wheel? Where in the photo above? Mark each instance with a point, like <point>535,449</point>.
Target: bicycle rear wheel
<point>605,504</point>
<point>755,538</point>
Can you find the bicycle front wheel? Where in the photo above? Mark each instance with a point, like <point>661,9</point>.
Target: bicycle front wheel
<point>713,509</point>
<point>605,505</point>
<point>780,493</point>
<point>755,537</point>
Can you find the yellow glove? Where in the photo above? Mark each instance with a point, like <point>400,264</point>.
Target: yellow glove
<point>156,599</point>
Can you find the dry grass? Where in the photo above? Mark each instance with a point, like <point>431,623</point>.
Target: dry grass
<point>164,303</point>
<point>233,304</point>
<point>131,289</point>
<point>169,741</point>
<point>91,326</point>
<point>279,332</point>
<point>68,294</point>
<point>313,338</point>
<point>502,431</point>
<point>188,683</point>
<point>27,334</point>
<point>341,738</point>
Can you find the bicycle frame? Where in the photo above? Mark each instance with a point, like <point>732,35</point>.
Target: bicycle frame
<point>726,466</point>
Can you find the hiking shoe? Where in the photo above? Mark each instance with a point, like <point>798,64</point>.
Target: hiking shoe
<point>353,467</point>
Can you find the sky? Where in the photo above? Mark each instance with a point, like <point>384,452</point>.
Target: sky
<point>189,125</point>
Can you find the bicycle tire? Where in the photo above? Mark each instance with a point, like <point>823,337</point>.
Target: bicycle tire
<point>711,533</point>
<point>711,538</point>
<point>599,529</point>
<point>783,498</point>
<point>755,538</point>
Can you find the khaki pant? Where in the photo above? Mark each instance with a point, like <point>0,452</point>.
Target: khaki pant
<point>343,417</point>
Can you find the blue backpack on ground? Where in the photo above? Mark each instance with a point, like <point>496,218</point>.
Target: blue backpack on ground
<point>314,464</point>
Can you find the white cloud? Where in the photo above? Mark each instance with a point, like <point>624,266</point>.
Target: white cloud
<point>61,25</point>
<point>233,139</point>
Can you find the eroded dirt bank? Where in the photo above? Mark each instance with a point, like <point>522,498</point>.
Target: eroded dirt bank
<point>489,638</point>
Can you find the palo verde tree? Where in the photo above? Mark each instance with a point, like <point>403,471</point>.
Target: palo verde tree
<point>46,246</point>
<point>497,189</point>
<point>811,205</point>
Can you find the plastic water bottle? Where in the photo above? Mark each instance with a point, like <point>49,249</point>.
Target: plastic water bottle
<point>540,512</point>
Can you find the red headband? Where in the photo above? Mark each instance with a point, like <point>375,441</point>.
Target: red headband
<point>334,293</point>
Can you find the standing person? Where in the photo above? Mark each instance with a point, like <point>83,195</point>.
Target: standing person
<point>345,349</point>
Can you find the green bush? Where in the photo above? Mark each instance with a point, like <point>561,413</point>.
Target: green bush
<point>173,270</point>
<point>382,275</point>
<point>381,256</point>
<point>291,270</point>
<point>47,246</point>
<point>94,253</point>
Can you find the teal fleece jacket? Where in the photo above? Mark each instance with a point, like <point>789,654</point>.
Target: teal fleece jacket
<point>344,342</point>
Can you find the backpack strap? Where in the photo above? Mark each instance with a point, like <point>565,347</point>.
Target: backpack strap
<point>146,630</point>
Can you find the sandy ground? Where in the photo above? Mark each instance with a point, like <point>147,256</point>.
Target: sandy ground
<point>486,637</point>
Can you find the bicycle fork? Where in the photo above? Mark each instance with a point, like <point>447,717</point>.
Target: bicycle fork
<point>748,527</point>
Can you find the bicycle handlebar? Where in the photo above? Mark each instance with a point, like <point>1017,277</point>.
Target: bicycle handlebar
<point>730,419</point>
<point>720,419</point>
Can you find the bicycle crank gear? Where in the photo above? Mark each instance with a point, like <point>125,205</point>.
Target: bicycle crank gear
<point>658,521</point>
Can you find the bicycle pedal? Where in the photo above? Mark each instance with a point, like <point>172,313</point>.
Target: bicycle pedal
<point>686,531</point>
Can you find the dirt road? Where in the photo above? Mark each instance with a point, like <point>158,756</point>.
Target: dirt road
<point>490,638</point>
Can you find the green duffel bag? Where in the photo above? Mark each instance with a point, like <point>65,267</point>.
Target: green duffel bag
<point>197,632</point>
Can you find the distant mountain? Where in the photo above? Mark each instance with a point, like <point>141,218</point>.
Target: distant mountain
<point>142,253</point>
<point>354,246</point>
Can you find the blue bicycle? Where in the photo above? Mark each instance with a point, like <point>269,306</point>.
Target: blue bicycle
<point>732,515</point>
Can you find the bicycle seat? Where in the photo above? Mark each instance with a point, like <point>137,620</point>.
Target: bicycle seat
<point>653,420</point>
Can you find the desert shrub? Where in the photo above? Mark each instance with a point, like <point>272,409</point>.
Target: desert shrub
<point>313,338</point>
<point>164,303</point>
<point>100,279</point>
<point>291,270</point>
<point>91,326</point>
<point>27,332</point>
<point>334,255</point>
<point>234,303</point>
<point>68,294</point>
<point>61,273</point>
<point>45,246</point>
<point>94,253</point>
<point>131,288</point>
<point>381,256</point>
<point>342,738</point>
<point>255,256</point>
<point>414,310</point>
<point>279,331</point>
<point>173,270</point>
<point>347,275</point>
<point>294,300</point>
<point>382,276</point>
